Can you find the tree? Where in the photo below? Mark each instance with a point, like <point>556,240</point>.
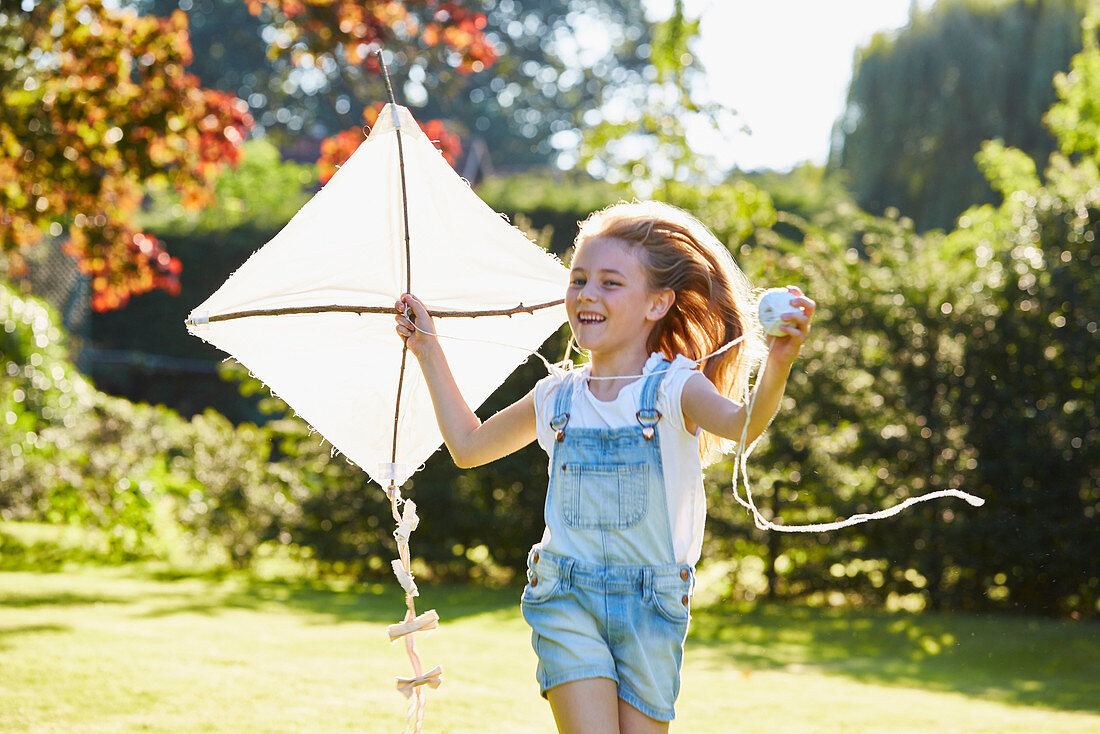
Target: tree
<point>640,138</point>
<point>922,101</point>
<point>960,360</point>
<point>547,84</point>
<point>95,103</point>
<point>540,85</point>
<point>1034,414</point>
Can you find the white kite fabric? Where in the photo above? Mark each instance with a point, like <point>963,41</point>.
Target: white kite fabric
<point>339,371</point>
<point>341,366</point>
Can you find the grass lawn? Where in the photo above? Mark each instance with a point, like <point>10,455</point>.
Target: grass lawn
<point>121,650</point>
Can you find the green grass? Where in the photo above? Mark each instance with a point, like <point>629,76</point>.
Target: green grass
<point>87,649</point>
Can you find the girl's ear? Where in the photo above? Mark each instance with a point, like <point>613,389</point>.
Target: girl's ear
<point>660,302</point>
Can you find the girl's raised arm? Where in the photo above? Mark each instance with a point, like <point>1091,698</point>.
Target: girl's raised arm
<point>707,408</point>
<point>471,442</point>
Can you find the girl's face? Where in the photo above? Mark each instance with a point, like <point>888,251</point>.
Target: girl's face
<point>609,301</point>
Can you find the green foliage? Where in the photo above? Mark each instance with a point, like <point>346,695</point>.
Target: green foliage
<point>639,138</point>
<point>1075,119</point>
<point>1007,169</point>
<point>140,474</point>
<point>555,201</point>
<point>864,423</point>
<point>733,210</point>
<point>814,193</point>
<point>1036,419</point>
<point>923,100</point>
<point>263,192</point>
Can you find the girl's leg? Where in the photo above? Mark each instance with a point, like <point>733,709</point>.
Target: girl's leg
<point>633,721</point>
<point>586,706</point>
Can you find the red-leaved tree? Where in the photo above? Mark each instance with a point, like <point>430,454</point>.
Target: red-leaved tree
<point>357,28</point>
<point>354,31</point>
<point>94,104</point>
<point>336,149</point>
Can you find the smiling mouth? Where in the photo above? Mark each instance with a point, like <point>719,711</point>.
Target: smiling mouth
<point>590,318</point>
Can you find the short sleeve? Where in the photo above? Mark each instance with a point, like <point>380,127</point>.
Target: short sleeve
<point>671,388</point>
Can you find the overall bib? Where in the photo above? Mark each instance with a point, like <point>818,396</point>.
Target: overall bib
<point>605,597</point>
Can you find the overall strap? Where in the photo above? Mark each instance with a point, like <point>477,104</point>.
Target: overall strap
<point>562,402</point>
<point>648,415</point>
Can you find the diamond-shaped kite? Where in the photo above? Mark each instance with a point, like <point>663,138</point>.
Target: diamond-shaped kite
<point>311,314</point>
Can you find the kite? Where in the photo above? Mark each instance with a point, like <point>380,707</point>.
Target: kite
<point>311,315</point>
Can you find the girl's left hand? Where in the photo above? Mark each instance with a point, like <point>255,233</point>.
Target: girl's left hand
<point>796,326</point>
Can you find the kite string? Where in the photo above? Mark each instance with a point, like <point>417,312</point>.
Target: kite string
<point>740,471</point>
<point>551,367</point>
<point>741,468</point>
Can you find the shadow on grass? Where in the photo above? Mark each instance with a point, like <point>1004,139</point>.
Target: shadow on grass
<point>59,599</point>
<point>160,593</point>
<point>1017,660</point>
<point>332,603</point>
<point>7,633</point>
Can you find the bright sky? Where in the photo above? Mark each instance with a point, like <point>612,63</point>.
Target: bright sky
<point>784,66</point>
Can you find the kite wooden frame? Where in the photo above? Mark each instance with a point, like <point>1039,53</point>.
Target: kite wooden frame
<point>290,310</point>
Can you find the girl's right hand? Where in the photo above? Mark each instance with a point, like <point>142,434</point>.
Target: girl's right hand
<point>417,341</point>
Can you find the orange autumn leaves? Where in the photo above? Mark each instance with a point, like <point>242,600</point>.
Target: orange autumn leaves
<point>97,105</point>
<point>355,29</point>
<point>101,106</point>
<point>338,148</point>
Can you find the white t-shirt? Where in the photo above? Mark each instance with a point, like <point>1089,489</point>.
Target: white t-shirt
<point>683,471</point>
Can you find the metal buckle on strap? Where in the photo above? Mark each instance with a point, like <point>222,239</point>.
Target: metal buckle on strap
<point>558,423</point>
<point>648,418</point>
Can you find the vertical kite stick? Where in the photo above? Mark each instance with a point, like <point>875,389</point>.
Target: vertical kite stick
<point>419,700</point>
<point>408,251</point>
<point>401,167</point>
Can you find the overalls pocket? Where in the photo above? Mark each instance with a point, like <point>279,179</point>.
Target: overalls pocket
<point>542,583</point>
<point>604,496</point>
<point>672,604</point>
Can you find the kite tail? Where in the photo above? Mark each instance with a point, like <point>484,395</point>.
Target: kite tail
<point>413,688</point>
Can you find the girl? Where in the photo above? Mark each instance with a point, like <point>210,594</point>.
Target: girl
<point>652,292</point>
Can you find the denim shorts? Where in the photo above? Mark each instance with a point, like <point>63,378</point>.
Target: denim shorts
<point>626,623</point>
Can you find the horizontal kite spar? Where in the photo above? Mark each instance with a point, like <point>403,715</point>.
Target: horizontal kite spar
<point>199,319</point>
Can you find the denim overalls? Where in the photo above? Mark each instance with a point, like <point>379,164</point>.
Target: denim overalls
<point>605,597</point>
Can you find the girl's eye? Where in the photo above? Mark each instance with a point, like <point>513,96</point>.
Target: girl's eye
<point>578,281</point>
<point>611,283</point>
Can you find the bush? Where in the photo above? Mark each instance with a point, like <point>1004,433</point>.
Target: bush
<point>140,473</point>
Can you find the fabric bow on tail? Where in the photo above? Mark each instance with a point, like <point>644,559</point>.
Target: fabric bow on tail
<point>433,678</point>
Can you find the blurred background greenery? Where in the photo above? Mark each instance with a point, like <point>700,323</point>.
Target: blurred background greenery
<point>950,242</point>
